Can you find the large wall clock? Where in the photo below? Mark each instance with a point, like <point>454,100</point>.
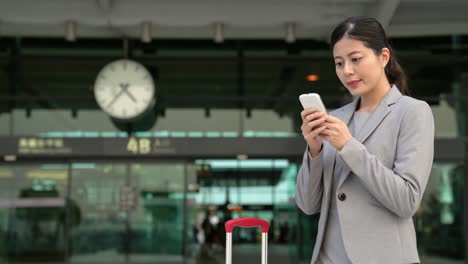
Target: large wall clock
<point>124,89</point>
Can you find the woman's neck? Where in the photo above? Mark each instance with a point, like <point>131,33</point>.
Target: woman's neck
<point>371,100</point>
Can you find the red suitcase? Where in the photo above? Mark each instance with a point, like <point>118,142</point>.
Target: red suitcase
<point>246,222</point>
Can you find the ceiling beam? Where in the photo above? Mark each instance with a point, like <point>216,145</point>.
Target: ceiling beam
<point>105,5</point>
<point>427,29</point>
<point>383,11</point>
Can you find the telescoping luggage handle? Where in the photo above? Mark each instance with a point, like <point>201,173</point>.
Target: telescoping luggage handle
<point>246,222</point>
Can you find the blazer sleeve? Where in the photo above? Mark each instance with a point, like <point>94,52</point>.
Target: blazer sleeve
<point>309,186</point>
<point>399,189</point>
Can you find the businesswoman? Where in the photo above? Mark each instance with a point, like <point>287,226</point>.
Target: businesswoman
<point>367,164</point>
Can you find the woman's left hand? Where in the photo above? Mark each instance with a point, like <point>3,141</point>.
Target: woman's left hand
<point>336,132</point>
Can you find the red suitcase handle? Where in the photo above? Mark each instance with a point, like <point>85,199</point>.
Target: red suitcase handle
<point>246,222</point>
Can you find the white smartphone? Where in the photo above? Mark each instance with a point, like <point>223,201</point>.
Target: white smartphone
<point>312,100</point>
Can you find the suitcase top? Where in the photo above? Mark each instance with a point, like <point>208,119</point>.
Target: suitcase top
<point>246,222</point>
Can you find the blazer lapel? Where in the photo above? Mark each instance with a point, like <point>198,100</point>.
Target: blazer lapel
<point>328,154</point>
<point>379,114</point>
<point>375,119</point>
<point>344,114</point>
<point>348,111</point>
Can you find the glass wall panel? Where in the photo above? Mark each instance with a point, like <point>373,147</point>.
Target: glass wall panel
<point>439,220</point>
<point>175,123</point>
<point>8,194</point>
<point>5,123</point>
<point>157,219</point>
<point>243,188</point>
<point>32,212</point>
<point>98,219</point>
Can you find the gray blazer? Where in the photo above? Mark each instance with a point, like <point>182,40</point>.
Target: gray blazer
<point>389,161</point>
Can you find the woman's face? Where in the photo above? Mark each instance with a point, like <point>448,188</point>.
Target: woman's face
<point>359,69</point>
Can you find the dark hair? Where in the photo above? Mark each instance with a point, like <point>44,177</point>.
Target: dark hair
<point>371,32</point>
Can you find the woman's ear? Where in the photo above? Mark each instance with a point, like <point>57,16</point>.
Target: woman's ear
<point>385,56</point>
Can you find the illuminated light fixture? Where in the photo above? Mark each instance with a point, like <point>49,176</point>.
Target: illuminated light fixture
<point>242,157</point>
<point>192,187</point>
<point>9,158</point>
<point>235,208</point>
<point>290,32</point>
<point>312,77</point>
<point>218,32</point>
<point>70,30</point>
<point>6,173</point>
<point>48,174</point>
<point>146,32</point>
<point>83,166</point>
<point>216,164</point>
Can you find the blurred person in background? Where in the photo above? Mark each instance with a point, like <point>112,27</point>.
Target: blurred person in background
<point>367,163</point>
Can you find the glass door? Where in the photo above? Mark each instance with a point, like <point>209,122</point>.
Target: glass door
<point>32,212</point>
<point>157,225</point>
<point>99,228</point>
<point>128,212</point>
<point>225,189</point>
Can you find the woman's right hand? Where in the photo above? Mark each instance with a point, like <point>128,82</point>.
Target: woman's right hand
<point>312,126</point>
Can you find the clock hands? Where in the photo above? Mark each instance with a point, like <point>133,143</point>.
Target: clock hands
<point>115,98</point>
<point>123,89</point>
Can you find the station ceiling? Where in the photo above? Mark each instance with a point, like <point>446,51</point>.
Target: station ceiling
<point>254,67</point>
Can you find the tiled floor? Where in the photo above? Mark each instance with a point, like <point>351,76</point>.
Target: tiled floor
<point>242,254</point>
<point>279,254</point>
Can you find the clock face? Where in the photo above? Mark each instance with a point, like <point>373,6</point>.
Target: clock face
<point>124,89</point>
